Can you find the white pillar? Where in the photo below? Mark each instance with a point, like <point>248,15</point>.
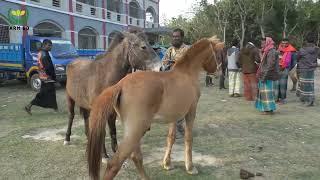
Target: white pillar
<point>100,42</point>
<point>63,34</point>
<point>67,35</point>
<point>30,31</point>
<point>76,42</point>
<point>16,34</point>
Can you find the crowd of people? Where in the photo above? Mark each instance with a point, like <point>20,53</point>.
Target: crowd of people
<point>263,72</point>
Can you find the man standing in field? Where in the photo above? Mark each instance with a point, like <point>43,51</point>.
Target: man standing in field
<point>286,55</point>
<point>172,55</point>
<point>234,70</point>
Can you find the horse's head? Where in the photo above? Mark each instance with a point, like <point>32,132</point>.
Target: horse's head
<point>140,55</point>
<point>214,60</point>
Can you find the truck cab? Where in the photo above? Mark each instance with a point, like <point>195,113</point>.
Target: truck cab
<point>62,53</point>
<point>19,61</point>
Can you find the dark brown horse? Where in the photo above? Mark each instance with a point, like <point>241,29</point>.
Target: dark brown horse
<point>143,98</point>
<point>86,79</point>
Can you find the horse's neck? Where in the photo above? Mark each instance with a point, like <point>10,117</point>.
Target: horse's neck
<point>191,72</point>
<point>189,68</point>
<point>116,68</point>
<point>192,65</point>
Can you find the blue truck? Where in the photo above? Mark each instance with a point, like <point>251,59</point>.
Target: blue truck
<point>19,61</point>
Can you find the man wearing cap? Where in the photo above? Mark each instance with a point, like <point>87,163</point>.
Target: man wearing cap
<point>249,57</point>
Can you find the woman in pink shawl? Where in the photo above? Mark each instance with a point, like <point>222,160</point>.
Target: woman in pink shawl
<point>268,72</point>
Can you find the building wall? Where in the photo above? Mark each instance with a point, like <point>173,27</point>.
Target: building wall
<point>61,18</point>
<point>37,16</point>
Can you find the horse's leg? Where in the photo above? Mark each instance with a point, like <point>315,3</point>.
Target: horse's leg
<point>294,79</point>
<point>133,134</point>
<point>113,131</point>
<point>113,135</point>
<point>207,80</point>
<point>70,103</point>
<point>85,113</point>
<point>188,141</point>
<point>136,157</point>
<point>170,141</point>
<point>105,155</point>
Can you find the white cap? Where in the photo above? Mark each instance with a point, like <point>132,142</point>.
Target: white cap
<point>251,43</point>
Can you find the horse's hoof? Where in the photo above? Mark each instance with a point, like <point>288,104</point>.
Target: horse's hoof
<point>66,143</point>
<point>104,160</point>
<point>168,168</point>
<point>125,164</point>
<point>193,171</point>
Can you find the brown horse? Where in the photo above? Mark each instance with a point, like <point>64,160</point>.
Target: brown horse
<point>86,79</point>
<point>145,97</point>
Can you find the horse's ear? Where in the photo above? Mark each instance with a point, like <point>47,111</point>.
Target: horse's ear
<point>119,36</point>
<point>135,30</point>
<point>219,45</point>
<point>142,35</point>
<point>116,39</point>
<point>138,32</point>
<point>214,39</point>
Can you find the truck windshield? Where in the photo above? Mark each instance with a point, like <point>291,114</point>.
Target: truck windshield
<point>63,49</point>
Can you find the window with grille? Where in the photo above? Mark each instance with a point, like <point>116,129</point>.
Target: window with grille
<point>56,3</point>
<point>87,39</point>
<point>78,7</point>
<point>4,32</point>
<point>90,2</point>
<point>108,15</point>
<point>130,20</point>
<point>93,11</point>
<point>118,17</point>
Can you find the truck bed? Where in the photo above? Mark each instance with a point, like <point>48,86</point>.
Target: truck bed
<point>11,57</point>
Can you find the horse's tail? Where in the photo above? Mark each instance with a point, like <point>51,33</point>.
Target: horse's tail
<point>102,109</point>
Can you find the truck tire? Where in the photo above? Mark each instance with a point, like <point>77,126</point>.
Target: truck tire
<point>35,82</point>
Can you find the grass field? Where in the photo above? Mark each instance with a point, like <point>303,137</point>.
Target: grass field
<point>229,134</point>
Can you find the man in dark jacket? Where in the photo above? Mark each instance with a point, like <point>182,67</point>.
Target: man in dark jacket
<point>249,57</point>
<point>46,98</point>
<point>307,63</point>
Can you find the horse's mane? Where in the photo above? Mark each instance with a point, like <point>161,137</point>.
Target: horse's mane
<point>118,38</point>
<point>139,32</point>
<point>195,48</point>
